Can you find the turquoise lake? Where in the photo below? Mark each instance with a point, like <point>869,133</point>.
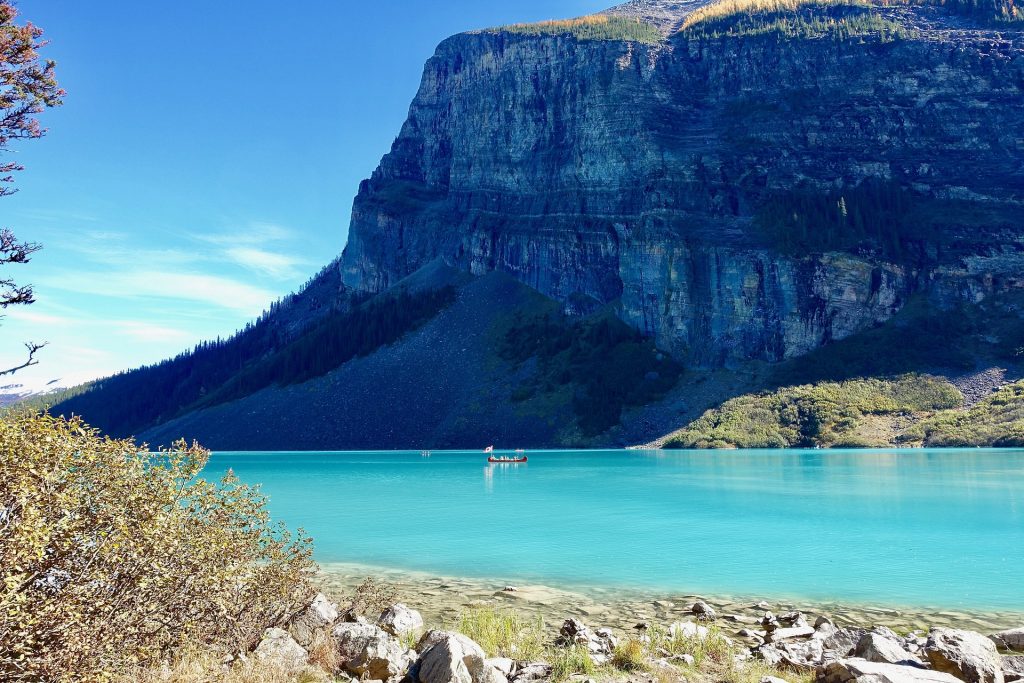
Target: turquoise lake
<point>938,528</point>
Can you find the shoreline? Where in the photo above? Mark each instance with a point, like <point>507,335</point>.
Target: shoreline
<point>442,598</point>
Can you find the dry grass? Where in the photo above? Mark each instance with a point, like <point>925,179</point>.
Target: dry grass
<point>205,668</point>
<point>323,651</point>
<point>728,8</point>
<point>503,633</point>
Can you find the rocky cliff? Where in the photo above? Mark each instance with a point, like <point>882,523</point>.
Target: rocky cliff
<point>637,174</point>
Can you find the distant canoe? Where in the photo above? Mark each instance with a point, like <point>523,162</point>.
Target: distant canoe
<point>501,460</point>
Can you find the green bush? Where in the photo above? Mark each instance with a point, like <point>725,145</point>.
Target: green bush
<point>826,414</point>
<point>112,558</point>
<point>996,421</point>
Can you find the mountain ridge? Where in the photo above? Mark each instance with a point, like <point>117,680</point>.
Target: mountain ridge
<point>744,195</point>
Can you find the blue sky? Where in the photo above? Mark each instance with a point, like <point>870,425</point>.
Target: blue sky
<point>205,161</point>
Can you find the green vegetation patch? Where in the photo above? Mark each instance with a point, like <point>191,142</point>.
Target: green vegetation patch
<point>996,421</point>
<point>803,19</point>
<point>593,27</point>
<point>827,414</point>
<point>873,213</point>
<point>987,11</point>
<point>607,365</point>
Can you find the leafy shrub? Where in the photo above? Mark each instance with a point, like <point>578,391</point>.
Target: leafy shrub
<point>112,558</point>
<point>593,27</point>
<point>996,421</point>
<point>371,597</point>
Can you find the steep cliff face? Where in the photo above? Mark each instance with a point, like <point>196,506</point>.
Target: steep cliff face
<point>601,171</point>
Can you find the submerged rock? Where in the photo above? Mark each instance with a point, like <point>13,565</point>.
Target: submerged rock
<point>966,654</point>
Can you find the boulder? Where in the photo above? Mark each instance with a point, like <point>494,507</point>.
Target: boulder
<point>319,614</point>
<point>399,620</point>
<point>1013,668</point>
<point>1011,639</point>
<point>704,611</point>
<point>965,654</point>
<point>482,672</point>
<point>863,671</point>
<point>370,652</point>
<point>773,679</point>
<point>841,643</point>
<point>573,632</point>
<point>453,658</point>
<point>433,637</point>
<point>277,646</point>
<point>877,647</point>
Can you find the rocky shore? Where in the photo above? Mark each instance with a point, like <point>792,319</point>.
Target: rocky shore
<point>703,644</point>
<point>442,598</point>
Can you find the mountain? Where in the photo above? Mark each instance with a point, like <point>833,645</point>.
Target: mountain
<point>605,226</point>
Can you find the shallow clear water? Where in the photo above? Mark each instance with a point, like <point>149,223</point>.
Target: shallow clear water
<point>900,527</point>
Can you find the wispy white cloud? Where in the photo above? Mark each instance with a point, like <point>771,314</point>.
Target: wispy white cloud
<point>214,290</point>
<point>275,264</point>
<point>151,332</point>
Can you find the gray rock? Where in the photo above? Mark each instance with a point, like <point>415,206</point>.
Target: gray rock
<point>841,643</point>
<point>686,658</point>
<point>1013,668</point>
<point>453,658</point>
<point>433,637</point>
<point>1010,639</point>
<point>399,620</point>
<point>533,671</point>
<point>503,664</point>
<point>370,652</point>
<point>773,679</point>
<point>279,647</point>
<point>704,611</point>
<point>863,671</point>
<point>876,647</point>
<point>780,634</point>
<point>802,656</point>
<point>968,655</point>
<point>793,619</point>
<point>319,614</point>
<point>482,672</point>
